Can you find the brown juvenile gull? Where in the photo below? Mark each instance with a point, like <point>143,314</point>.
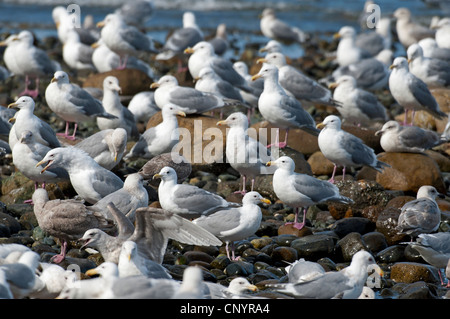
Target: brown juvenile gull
<point>411,92</point>
<point>410,139</point>
<point>25,119</point>
<point>154,227</point>
<point>106,147</point>
<point>245,154</point>
<point>127,199</point>
<point>408,30</point>
<point>186,200</point>
<point>298,84</point>
<point>421,215</point>
<point>91,181</point>
<point>345,149</point>
<point>281,109</point>
<point>188,99</point>
<point>347,283</point>
<point>301,190</point>
<point>178,162</point>
<point>66,219</point>
<point>355,104</point>
<point>235,224</point>
<point>72,103</point>
<point>160,138</point>
<point>111,103</point>
<point>274,28</point>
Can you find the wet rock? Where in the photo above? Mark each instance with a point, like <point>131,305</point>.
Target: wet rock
<point>386,224</point>
<point>409,272</point>
<point>261,242</point>
<point>375,241</point>
<point>282,255</point>
<point>220,262</point>
<point>350,245</point>
<point>416,290</point>
<point>391,254</point>
<point>197,256</point>
<point>10,223</point>
<point>344,226</point>
<point>290,230</point>
<point>239,268</point>
<point>413,255</point>
<point>313,247</point>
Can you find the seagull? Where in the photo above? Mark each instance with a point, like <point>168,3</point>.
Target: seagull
<point>274,28</point>
<point>432,50</point>
<point>279,108</point>
<point>442,31</point>
<point>345,149</point>
<point>272,46</point>
<point>143,106</point>
<point>220,42</point>
<point>301,190</point>
<point>257,86</point>
<point>235,224</point>
<point>347,51</point>
<point>72,103</point>
<point>411,92</point>
<point>409,31</point>
<point>136,12</point>
<point>77,55</point>
<point>421,215</point>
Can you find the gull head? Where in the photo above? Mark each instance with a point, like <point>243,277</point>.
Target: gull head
<point>91,237</point>
<point>26,36</point>
<point>346,32</point>
<point>201,47</point>
<point>166,173</point>
<point>129,250</point>
<point>331,121</point>
<point>267,71</point>
<point>118,142</point>
<point>402,14</point>
<point>240,285</point>
<point>23,102</point>
<point>390,126</point>
<point>284,162</point>
<point>276,58</point>
<point>111,83</point>
<point>172,109</point>
<point>237,119</point>
<point>60,77</point>
<point>165,81</point>
<point>206,73</point>
<point>105,269</point>
<point>345,80</point>
<point>271,47</point>
<point>54,157</point>
<point>254,198</point>
<point>414,51</point>
<point>429,192</point>
<point>111,19</point>
<point>400,63</point>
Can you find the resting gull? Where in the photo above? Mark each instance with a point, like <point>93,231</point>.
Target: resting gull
<point>296,83</point>
<point>192,285</point>
<point>52,280</point>
<point>274,28</point>
<point>136,12</point>
<point>106,147</point>
<point>202,54</point>
<point>347,283</point>
<point>432,50</point>
<point>186,200</point>
<point>438,241</point>
<point>111,103</point>
<point>421,215</point>
<point>410,139</point>
<point>72,103</point>
<point>411,92</point>
<point>409,31</point>
<point>132,263</point>
<point>91,181</point>
<point>25,120</point>
<point>124,39</point>
<point>77,55</point>
<point>27,153</point>
<point>442,33</point>
<point>66,219</point>
<point>303,270</point>
<point>235,224</point>
<point>434,72</point>
<point>375,41</point>
<point>272,46</point>
<point>301,190</point>
<point>245,154</point>
<point>347,51</point>
<point>160,138</point>
<point>143,106</point>
<point>154,227</point>
<point>345,149</point>
<point>188,99</point>
<point>127,199</point>
<point>355,104</point>
<point>281,109</point>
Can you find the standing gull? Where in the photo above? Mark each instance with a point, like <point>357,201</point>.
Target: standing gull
<point>432,50</point>
<point>280,109</point>
<point>301,190</point>
<point>347,283</point>
<point>434,72</point>
<point>411,92</point>
<point>77,55</point>
<point>111,103</point>
<point>190,100</point>
<point>124,39</point>
<point>91,181</point>
<point>244,153</point>
<point>106,147</point>
<point>344,149</point>
<point>154,227</point>
<point>274,28</point>
<point>257,86</point>
<point>235,224</point>
<point>347,51</point>
<point>442,33</point>
<point>357,105</point>
<point>72,103</point>
<point>409,31</point>
<point>410,139</point>
<point>421,215</point>
<point>160,138</point>
<point>186,200</point>
<point>296,83</point>
<point>65,219</point>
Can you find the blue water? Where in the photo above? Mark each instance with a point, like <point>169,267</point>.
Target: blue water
<point>241,16</point>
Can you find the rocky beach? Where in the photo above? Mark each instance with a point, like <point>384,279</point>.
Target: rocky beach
<point>333,232</point>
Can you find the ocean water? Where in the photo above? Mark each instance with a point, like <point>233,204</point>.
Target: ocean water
<point>321,17</point>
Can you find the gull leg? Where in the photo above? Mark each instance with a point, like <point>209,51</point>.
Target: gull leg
<point>253,184</point>
<point>62,255</point>
<point>66,133</point>
<point>343,173</point>
<point>331,180</point>
<point>227,250</point>
<point>244,181</point>
<point>276,139</point>
<point>73,138</point>
<point>412,117</point>
<point>284,144</point>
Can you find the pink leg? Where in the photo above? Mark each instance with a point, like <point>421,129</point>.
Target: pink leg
<point>123,63</point>
<point>412,117</point>
<point>331,180</point>
<point>61,256</point>
<point>27,91</point>
<point>343,173</point>
<point>253,184</point>
<point>277,140</point>
<point>73,138</point>
<point>244,181</point>
<point>66,133</point>
<point>296,224</point>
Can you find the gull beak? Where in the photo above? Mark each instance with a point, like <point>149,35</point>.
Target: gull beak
<point>46,167</point>
<point>91,272</point>
<point>115,156</point>
<point>189,50</point>
<point>12,105</point>
<point>95,45</point>
<point>196,79</point>
<point>12,120</point>
<point>101,24</point>
<point>156,176</point>
<point>269,163</point>
<point>336,36</point>
<point>129,257</point>
<point>224,122</point>
<point>181,113</point>
<point>333,85</point>
<point>261,61</point>
<point>409,60</point>
<point>320,126</point>
<point>118,89</point>
<point>53,80</point>
<point>265,200</point>
<point>154,85</point>
<point>252,288</point>
<point>380,132</point>
<point>392,67</point>
<point>256,77</point>
<point>262,50</point>
<point>3,44</point>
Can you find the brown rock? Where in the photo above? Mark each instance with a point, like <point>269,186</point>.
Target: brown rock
<point>289,229</point>
<point>410,272</point>
<point>320,165</point>
<point>442,96</point>
<point>399,201</point>
<point>441,158</point>
<point>386,224</point>
<point>409,171</point>
<point>132,81</point>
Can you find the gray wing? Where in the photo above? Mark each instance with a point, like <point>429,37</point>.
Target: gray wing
<point>420,91</point>
<point>371,42</point>
<point>129,119</point>
<point>139,149</point>
<point>135,38</point>
<point>438,241</point>
<point>412,136</point>
<point>84,101</point>
<point>43,61</point>
<point>366,72</point>
<point>220,221</point>
<point>19,275</point>
<point>283,31</point>
<point>317,190</point>
<point>416,214</point>
<point>196,199</point>
<point>369,105</point>
<point>293,111</point>
<point>227,90</point>
<point>303,268</point>
<point>182,39</point>
<point>359,153</point>
<point>85,54</point>
<point>195,100</point>
<point>124,226</point>
<point>106,182</point>
<point>48,134</point>
<point>225,70</point>
<point>120,198</point>
<point>91,144</point>
<point>441,69</point>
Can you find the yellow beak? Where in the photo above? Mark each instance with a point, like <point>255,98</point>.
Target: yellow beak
<point>261,60</point>
<point>252,288</point>
<point>53,80</point>
<point>320,126</point>
<point>156,176</point>
<point>12,120</point>
<point>392,67</point>
<point>12,105</point>
<point>95,45</point>
<point>266,201</point>
<point>101,24</point>
<point>336,36</point>
<point>269,163</point>
<point>189,50</point>
<point>409,60</point>
<point>45,168</point>
<point>154,85</point>
<point>333,85</point>
<point>91,272</point>
<point>224,122</point>
<point>181,113</point>
<point>256,77</point>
